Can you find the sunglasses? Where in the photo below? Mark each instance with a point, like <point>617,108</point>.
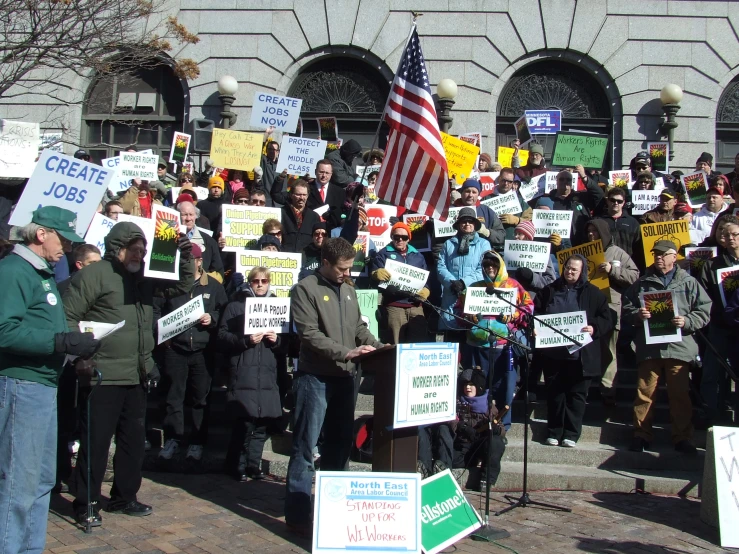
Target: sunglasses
<point>242,201</point>
<point>258,202</point>
<point>276,233</point>
<point>614,201</point>
<point>259,281</point>
<point>319,234</point>
<point>506,181</point>
<point>186,180</point>
<point>400,237</point>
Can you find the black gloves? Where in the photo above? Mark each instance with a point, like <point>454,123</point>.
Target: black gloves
<point>458,287</point>
<point>184,246</point>
<point>153,378</point>
<point>84,368</point>
<point>75,343</point>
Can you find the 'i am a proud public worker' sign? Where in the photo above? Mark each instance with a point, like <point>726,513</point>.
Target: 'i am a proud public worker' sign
<point>265,314</point>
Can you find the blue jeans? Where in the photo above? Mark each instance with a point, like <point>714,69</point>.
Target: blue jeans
<point>27,463</point>
<point>504,374</point>
<point>317,398</point>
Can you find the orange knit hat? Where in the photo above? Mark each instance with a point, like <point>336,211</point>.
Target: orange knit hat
<point>401,225</point>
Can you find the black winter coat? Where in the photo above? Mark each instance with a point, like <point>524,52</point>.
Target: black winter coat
<point>295,238</point>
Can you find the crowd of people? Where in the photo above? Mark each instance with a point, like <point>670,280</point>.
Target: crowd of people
<point>54,281</point>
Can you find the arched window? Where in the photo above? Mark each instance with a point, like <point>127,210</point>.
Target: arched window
<point>727,127</point>
<point>144,109</point>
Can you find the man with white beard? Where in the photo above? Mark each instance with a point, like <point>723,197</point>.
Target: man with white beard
<point>111,291</point>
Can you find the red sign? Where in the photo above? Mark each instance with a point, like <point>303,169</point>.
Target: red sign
<point>378,218</point>
<point>487,183</point>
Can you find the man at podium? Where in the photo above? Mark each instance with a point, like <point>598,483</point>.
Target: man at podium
<point>332,334</point>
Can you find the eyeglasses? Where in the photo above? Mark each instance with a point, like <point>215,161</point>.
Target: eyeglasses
<point>730,235</point>
<point>276,234</point>
<point>467,222</point>
<point>258,202</point>
<point>506,181</point>
<point>186,180</point>
<point>242,201</point>
<point>138,251</point>
<point>663,254</point>
<point>615,201</point>
<point>400,237</point>
<point>259,281</point>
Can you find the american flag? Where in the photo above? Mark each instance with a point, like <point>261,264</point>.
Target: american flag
<point>414,171</point>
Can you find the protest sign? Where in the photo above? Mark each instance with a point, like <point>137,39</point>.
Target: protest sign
<point>299,130</point>
<point>328,129</point>
<point>63,181</point>
<point>364,171</point>
<point>284,268</point>
<point>659,329</point>
<point>271,110</point>
<point>569,323</point>
<point>118,183</point>
<point>727,484</point>
<point>696,185</point>
<point>659,154</point>
<point>620,179</point>
<point>241,225</point>
<point>551,181</point>
<point>526,253</point>
<point>505,156</point>
<point>697,257</point>
<point>368,300</point>
<point>162,252</point>
<point>361,249</point>
<point>532,188</point>
<point>503,203</point>
<point>421,240</point>
<point>472,138</point>
<point>487,183</point>
<point>148,228</point>
<point>460,157</point>
<point>728,282</point>
<point>425,383</point>
<point>404,276</point>
<point>446,515</point>
<point>478,301</point>
<point>445,228</point>
<point>180,320</point>
<point>19,143</point>
<point>135,165</point>
<point>98,230</point>
<point>594,254</point>
<point>52,141</point>
<point>544,122</point>
<point>676,231</point>
<point>368,512</point>
<point>548,222</point>
<point>643,201</point>
<point>201,192</point>
<point>572,149</point>
<point>187,167</point>
<point>522,131</point>
<point>180,147</point>
<point>265,314</point>
<point>236,149</point>
<point>299,155</point>
<point>378,218</point>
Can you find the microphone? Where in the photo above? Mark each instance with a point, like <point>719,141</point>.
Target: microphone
<point>397,291</point>
<point>490,290</point>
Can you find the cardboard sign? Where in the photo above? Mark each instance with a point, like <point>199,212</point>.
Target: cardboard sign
<point>328,130</point>
<point>487,183</point>
<point>446,515</point>
<point>503,203</point>
<point>98,230</point>
<point>421,240</point>
<point>659,154</point>
<point>361,249</point>
<point>460,157</point>
<point>404,276</point>
<point>271,110</point>
<point>697,257</point>
<point>284,268</point>
<point>572,149</point>
<point>163,256</point>
<point>445,228</point>
<point>236,149</point>
<point>643,201</point>
<point>696,185</point>
<point>551,181</point>
<point>135,165</point>
<point>544,122</point>
<point>727,483</point>
<point>594,254</point>
<point>472,138</point>
<point>368,300</point>
<point>676,231</point>
<point>368,512</point>
<point>181,319</point>
<point>201,193</point>
<point>425,383</point>
<point>52,141</point>
<point>118,184</point>
<point>526,253</point>
<point>620,179</point>
<point>241,225</point>
<point>659,329</point>
<point>569,323</point>
<point>378,219</point>
<point>728,281</point>
<point>299,155</point>
<point>264,314</point>
<point>522,131</point>
<point>532,188</point>
<point>19,144</point>
<point>478,301</point>
<point>180,147</point>
<point>63,181</point>
<point>548,222</point>
<point>505,156</point>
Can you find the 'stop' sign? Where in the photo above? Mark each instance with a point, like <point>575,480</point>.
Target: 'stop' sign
<point>544,122</point>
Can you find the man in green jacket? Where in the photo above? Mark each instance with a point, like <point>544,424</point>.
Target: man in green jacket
<point>34,339</point>
<point>111,291</point>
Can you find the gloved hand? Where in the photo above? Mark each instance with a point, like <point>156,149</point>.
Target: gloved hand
<point>75,343</point>
<point>458,287</point>
<point>237,279</point>
<point>424,293</point>
<point>258,172</point>
<point>184,246</point>
<point>393,220</point>
<point>84,367</point>
<point>504,318</point>
<point>153,377</point>
<point>483,231</point>
<point>381,275</point>
<point>555,239</point>
<point>509,219</point>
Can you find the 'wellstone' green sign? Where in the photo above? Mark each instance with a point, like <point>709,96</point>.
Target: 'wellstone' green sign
<point>572,149</point>
<point>368,301</point>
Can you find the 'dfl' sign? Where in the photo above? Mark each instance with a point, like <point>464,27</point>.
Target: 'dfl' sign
<point>300,155</point>
<point>544,122</point>
<point>280,112</point>
<point>65,182</point>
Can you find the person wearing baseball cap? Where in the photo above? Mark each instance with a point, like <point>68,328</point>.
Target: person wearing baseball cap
<point>35,341</point>
<point>642,162</point>
<point>665,210</point>
<point>692,305</point>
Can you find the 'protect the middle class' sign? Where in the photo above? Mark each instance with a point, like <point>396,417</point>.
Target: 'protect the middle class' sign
<point>299,155</point>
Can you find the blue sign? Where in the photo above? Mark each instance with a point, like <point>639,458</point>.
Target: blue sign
<point>544,122</point>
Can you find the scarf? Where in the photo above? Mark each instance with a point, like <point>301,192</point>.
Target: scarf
<point>464,243</point>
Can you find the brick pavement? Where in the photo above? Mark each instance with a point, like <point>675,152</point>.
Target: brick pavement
<point>213,514</point>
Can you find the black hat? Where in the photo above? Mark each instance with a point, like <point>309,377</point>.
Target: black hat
<point>642,156</point>
<point>82,154</point>
<point>472,376</point>
<point>268,240</point>
<point>467,213</point>
<point>705,157</point>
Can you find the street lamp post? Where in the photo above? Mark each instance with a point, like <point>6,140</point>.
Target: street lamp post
<point>670,95</point>
<point>446,90</point>
<point>227,87</point>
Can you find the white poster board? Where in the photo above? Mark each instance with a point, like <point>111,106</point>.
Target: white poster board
<point>263,314</point>
<point>445,228</point>
<point>728,281</point>
<point>478,301</point>
<point>530,189</point>
<point>147,226</point>
<point>727,483</point>
<point>98,230</point>
<point>569,323</point>
<point>526,253</point>
<point>180,320</point>
<point>299,155</point>
<point>404,276</point>
<point>271,110</point>
<point>241,225</point>
<point>550,182</point>
<point>201,192</point>
<point>19,145</point>
<point>137,165</point>
<point>644,200</point>
<point>118,183</point>
<point>63,181</point>
<point>425,383</point>
<point>621,178</point>
<point>368,512</point>
<point>548,222</point>
<point>284,268</point>
<point>503,203</point>
<point>662,307</point>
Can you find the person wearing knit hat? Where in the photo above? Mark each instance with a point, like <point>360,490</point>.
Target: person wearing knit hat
<point>485,162</point>
<point>404,226</point>
<point>491,227</point>
<point>525,231</point>
<point>241,196</point>
<point>216,181</point>
<point>704,162</point>
<point>535,165</point>
<point>312,252</point>
<point>544,203</point>
<point>269,242</point>
<point>185,197</point>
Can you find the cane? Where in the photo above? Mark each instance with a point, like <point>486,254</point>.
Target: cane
<point>90,513</point>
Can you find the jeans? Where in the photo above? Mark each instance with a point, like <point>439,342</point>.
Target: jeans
<point>186,372</point>
<point>27,463</point>
<point>317,398</point>
<point>504,374</point>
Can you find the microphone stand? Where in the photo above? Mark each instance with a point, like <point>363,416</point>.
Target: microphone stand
<point>90,513</point>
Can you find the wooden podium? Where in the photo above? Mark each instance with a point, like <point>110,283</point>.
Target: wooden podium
<point>392,449</point>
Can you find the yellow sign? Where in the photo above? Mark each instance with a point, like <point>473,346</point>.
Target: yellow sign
<point>593,252</point>
<point>676,231</point>
<point>460,157</point>
<point>505,156</point>
<point>236,149</point>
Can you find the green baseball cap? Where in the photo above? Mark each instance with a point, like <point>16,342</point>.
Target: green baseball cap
<point>62,221</point>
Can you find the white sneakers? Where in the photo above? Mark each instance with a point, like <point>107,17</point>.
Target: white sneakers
<point>567,443</point>
<point>170,449</point>
<point>552,442</point>
<point>194,452</point>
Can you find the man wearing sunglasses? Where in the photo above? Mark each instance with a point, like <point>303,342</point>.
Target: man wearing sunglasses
<point>581,204</point>
<point>312,252</point>
<point>624,228</point>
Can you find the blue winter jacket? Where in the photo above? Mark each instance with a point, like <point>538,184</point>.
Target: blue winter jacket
<point>452,266</point>
<point>412,258</point>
